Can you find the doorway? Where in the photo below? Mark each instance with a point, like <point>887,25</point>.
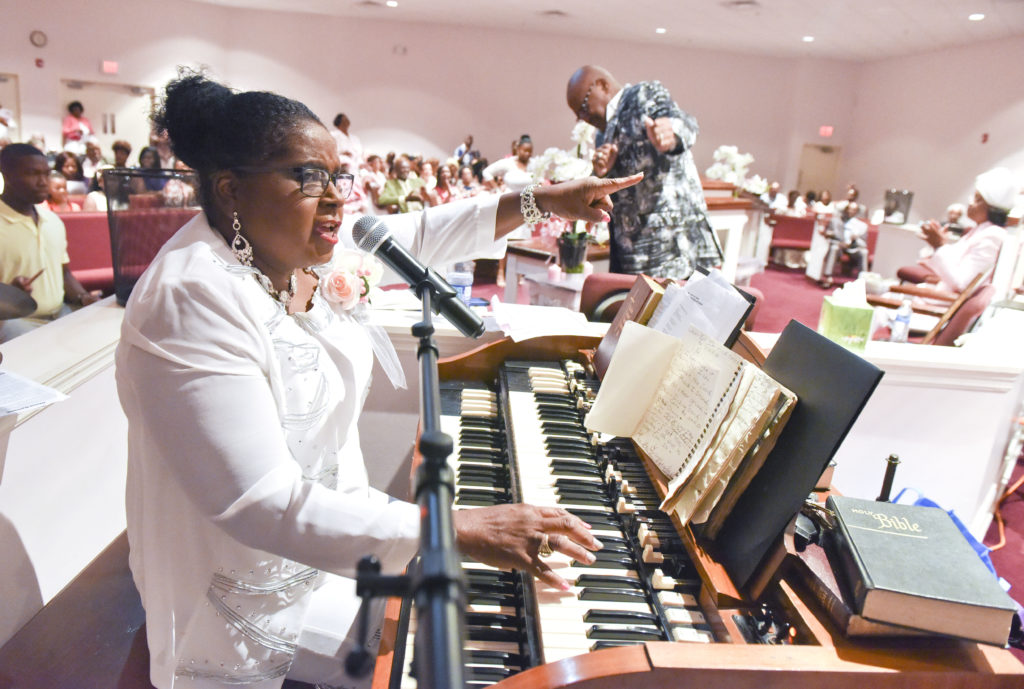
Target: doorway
<point>116,111</point>
<point>819,169</point>
<point>10,124</point>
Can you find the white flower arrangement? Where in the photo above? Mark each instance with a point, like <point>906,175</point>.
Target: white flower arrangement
<point>558,165</point>
<point>732,166</point>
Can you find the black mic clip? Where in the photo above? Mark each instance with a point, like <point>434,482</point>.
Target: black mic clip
<point>371,584</point>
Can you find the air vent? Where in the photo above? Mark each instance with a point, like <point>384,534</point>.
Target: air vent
<point>369,3</point>
<point>558,14</point>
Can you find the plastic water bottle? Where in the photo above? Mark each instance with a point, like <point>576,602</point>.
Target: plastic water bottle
<point>461,278</point>
<point>901,323</point>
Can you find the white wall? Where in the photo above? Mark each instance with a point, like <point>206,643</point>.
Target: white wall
<point>919,123</point>
<point>911,122</point>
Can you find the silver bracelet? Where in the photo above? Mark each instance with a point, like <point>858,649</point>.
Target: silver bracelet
<point>528,206</point>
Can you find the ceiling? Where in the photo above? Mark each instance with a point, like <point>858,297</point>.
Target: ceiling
<point>842,29</point>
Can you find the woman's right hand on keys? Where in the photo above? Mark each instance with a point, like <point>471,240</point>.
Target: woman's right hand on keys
<point>513,536</point>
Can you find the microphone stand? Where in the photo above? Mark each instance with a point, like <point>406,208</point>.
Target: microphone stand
<point>437,584</point>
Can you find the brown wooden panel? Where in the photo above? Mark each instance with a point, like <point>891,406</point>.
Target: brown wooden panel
<point>90,636</point>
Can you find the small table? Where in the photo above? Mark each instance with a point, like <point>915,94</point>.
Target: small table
<point>533,256</point>
<point>563,292</point>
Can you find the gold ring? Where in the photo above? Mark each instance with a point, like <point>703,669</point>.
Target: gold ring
<point>545,547</point>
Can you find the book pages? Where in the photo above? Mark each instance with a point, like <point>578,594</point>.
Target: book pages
<point>749,465</point>
<point>758,409</point>
<point>634,373</point>
<point>690,402</point>
<point>729,441</point>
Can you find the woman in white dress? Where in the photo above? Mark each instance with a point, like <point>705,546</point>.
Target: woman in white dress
<point>513,170</point>
<point>242,369</point>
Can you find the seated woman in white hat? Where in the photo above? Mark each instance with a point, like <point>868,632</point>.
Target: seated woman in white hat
<point>955,264</point>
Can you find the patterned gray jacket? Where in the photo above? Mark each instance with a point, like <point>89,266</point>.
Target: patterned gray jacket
<point>659,226</point>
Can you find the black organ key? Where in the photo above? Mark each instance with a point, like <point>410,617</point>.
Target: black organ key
<point>601,581</point>
<point>619,595</point>
<point>631,633</point>
<point>620,617</point>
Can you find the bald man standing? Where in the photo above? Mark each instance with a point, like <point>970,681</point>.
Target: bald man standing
<point>659,226</point>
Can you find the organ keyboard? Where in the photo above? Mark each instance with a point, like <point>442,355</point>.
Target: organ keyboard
<point>650,603</point>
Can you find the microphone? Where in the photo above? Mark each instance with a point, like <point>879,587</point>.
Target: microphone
<point>373,236</point>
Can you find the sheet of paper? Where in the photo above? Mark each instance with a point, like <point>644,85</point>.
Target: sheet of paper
<point>634,374</point>
<point>19,394</point>
<point>397,300</point>
<point>523,321</point>
<point>692,398</point>
<point>708,302</point>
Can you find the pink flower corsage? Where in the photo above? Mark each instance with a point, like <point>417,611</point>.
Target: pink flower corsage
<point>352,279</point>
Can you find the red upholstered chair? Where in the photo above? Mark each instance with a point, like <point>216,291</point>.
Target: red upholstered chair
<point>602,295</point>
<point>141,223</point>
<point>789,232</point>
<point>138,235</point>
<point>89,249</point>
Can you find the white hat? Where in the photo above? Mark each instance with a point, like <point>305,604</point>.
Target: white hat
<point>998,188</point>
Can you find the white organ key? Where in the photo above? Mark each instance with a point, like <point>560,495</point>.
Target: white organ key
<point>652,556</point>
<point>684,616</point>
<point>675,599</point>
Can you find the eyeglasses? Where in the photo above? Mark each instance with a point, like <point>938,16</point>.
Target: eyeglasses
<point>312,181</point>
<point>584,109</point>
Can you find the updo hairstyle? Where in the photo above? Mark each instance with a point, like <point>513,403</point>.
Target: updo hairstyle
<point>213,128</point>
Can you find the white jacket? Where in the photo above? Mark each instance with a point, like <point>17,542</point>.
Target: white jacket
<point>245,474</point>
<point>958,263</point>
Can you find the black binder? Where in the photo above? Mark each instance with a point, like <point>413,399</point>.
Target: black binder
<point>832,384</point>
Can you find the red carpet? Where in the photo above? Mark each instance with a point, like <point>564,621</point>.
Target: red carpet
<point>1009,560</point>
<point>788,295</point>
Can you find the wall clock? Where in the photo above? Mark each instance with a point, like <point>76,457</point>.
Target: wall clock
<point>38,38</point>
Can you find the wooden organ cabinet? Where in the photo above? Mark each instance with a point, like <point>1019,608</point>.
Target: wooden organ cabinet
<point>653,581</point>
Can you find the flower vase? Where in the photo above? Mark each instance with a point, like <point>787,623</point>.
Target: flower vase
<point>572,252</point>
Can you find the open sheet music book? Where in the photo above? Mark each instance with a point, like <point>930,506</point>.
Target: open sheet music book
<point>704,416</point>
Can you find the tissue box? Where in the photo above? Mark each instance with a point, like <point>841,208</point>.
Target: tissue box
<point>849,326</point>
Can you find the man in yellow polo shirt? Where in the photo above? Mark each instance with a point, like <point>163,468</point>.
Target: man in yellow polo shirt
<point>33,243</point>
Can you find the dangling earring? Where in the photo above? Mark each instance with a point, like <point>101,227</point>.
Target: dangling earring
<point>240,246</point>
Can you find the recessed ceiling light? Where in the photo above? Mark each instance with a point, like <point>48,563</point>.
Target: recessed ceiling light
<point>976,17</point>
<point>808,39</point>
<point>660,29</point>
<point>392,3</point>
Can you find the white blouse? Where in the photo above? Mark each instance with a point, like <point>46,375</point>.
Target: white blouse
<point>245,474</point>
